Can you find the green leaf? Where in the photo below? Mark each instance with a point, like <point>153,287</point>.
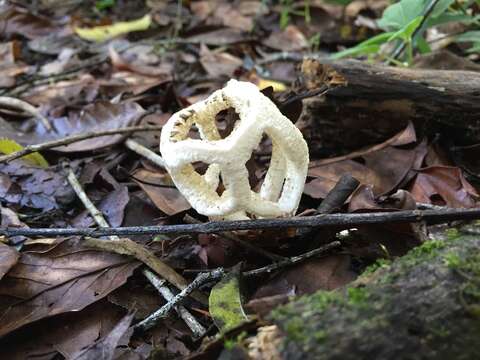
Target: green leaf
<point>469,36</point>
<point>366,47</point>
<point>104,4</point>
<point>340,2</point>
<point>407,31</point>
<point>225,303</point>
<point>441,7</point>
<point>398,15</point>
<point>449,17</point>
<point>423,46</point>
<point>8,146</point>
<point>475,48</point>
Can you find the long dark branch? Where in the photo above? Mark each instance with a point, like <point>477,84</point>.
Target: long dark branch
<point>324,220</point>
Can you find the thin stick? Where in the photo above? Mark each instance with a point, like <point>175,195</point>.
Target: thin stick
<point>291,261</point>
<point>339,194</point>
<point>91,208</point>
<point>26,107</point>
<point>161,313</point>
<point>145,152</point>
<point>72,139</point>
<point>197,329</point>
<point>324,220</point>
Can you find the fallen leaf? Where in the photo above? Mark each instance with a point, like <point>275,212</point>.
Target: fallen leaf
<point>8,258</point>
<point>443,185</point>
<point>137,299</point>
<point>168,200</point>
<point>104,348</point>
<point>8,146</point>
<point>67,277</point>
<point>363,199</point>
<point>277,86</point>
<point>67,334</point>
<point>325,273</point>
<point>290,39</point>
<point>9,67</point>
<point>106,32</point>
<point>225,303</point>
<point>218,64</point>
<point>219,37</point>
<point>99,116</point>
<point>66,92</point>
<point>136,64</point>
<point>15,20</point>
<point>112,206</point>
<point>34,187</point>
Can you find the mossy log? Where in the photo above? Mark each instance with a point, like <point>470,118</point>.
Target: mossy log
<point>425,305</point>
<point>367,103</point>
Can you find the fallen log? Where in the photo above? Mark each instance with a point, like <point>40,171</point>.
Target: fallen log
<point>367,103</point>
<point>425,305</point>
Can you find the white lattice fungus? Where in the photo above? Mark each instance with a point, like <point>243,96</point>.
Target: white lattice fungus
<point>283,184</point>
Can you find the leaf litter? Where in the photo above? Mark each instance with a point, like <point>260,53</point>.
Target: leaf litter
<point>92,68</point>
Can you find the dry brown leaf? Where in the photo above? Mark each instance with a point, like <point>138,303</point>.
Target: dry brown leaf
<point>37,188</point>
<point>15,20</point>
<point>99,116</point>
<point>326,273</point>
<point>67,277</point>
<point>168,200</point>
<point>290,39</point>
<point>112,206</point>
<point>83,88</point>
<point>443,185</point>
<point>8,258</point>
<point>66,334</point>
<point>218,64</point>
<point>104,348</point>
<point>9,68</point>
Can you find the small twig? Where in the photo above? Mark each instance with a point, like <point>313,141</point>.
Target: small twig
<point>197,329</point>
<point>91,208</point>
<point>26,107</point>
<point>334,199</point>
<point>161,313</point>
<point>291,261</point>
<point>338,195</point>
<point>326,220</point>
<point>145,152</point>
<point>72,139</point>
<point>428,11</point>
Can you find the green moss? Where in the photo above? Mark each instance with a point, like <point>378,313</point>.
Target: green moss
<point>230,343</point>
<point>452,233</point>
<point>425,252</point>
<point>469,268</point>
<point>379,264</point>
<point>320,335</point>
<point>452,260</point>
<point>357,296</point>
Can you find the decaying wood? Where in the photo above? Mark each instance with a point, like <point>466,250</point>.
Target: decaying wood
<point>425,305</point>
<point>368,103</point>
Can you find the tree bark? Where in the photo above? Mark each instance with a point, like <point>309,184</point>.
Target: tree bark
<point>368,103</point>
<point>425,305</point>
